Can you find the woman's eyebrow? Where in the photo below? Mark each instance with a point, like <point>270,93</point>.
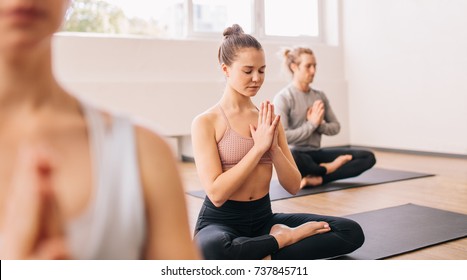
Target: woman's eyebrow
<point>249,66</point>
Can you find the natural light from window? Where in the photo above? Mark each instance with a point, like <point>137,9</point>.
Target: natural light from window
<point>291,17</point>
<point>216,15</point>
<point>169,18</point>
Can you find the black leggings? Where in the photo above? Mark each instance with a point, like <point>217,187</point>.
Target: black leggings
<point>240,230</point>
<point>308,162</point>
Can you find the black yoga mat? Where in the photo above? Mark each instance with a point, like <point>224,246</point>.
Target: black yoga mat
<point>401,229</point>
<point>373,176</point>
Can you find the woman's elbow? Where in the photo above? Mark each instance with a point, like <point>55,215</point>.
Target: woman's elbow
<point>216,199</point>
<point>295,189</point>
<point>292,186</point>
<point>218,203</point>
<point>297,182</point>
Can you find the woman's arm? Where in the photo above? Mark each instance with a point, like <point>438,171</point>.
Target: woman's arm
<point>219,185</point>
<point>286,169</point>
<point>168,232</point>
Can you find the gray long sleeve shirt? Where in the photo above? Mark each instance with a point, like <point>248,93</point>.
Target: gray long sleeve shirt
<point>292,105</point>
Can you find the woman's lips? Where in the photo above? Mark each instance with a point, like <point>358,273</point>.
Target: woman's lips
<point>22,15</point>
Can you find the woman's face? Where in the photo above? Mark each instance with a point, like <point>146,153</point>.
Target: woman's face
<point>246,74</point>
<point>25,23</point>
<point>304,70</point>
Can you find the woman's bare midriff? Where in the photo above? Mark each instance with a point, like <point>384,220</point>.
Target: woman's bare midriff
<point>256,185</point>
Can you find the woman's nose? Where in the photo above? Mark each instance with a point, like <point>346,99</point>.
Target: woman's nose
<point>255,77</point>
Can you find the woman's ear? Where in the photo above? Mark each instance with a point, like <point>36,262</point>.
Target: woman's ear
<point>225,70</point>
<point>293,67</point>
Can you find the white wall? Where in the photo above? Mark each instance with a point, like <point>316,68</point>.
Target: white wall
<point>406,67</point>
<point>168,82</point>
<point>397,81</point>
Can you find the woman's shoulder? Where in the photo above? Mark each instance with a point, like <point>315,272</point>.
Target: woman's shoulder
<point>149,136</point>
<point>208,118</point>
<point>142,127</point>
<point>146,134</point>
<point>92,110</point>
<point>153,153</point>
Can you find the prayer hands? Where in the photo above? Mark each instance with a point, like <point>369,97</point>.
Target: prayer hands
<point>32,227</point>
<point>315,114</point>
<point>265,134</point>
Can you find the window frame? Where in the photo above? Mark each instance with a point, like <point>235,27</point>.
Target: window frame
<point>192,34</point>
<point>257,25</point>
<point>260,5</point>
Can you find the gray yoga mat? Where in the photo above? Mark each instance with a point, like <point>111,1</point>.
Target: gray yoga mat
<point>373,176</point>
<point>401,229</point>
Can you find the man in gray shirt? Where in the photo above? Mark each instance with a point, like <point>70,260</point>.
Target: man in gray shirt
<point>306,114</point>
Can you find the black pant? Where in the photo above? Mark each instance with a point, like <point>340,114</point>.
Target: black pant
<point>240,230</point>
<point>308,162</point>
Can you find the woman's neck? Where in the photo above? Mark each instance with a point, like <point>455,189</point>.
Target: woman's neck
<point>26,78</point>
<point>234,100</point>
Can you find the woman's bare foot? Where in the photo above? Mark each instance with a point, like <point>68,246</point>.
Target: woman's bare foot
<point>286,236</point>
<point>311,181</point>
<point>336,164</point>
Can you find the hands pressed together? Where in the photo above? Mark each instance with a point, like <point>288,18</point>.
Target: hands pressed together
<point>315,114</point>
<point>32,227</point>
<point>266,132</point>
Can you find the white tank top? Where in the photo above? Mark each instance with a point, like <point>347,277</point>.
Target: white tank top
<point>114,224</point>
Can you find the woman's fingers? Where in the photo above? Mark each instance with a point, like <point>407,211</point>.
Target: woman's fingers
<point>52,222</point>
<point>52,249</point>
<point>252,129</point>
<point>24,207</point>
<point>276,121</point>
<point>265,112</point>
<point>272,111</point>
<point>33,228</point>
<point>51,240</point>
<point>260,113</point>
<point>269,113</point>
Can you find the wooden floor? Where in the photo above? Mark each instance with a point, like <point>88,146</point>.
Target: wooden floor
<point>447,190</point>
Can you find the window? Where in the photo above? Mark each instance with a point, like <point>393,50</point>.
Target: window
<point>195,18</point>
<point>141,17</point>
<point>292,18</point>
<point>213,16</point>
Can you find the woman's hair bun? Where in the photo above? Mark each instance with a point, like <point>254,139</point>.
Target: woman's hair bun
<point>233,30</point>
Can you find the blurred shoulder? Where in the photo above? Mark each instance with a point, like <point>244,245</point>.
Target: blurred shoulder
<point>150,142</point>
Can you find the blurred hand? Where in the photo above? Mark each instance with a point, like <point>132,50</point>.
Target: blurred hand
<point>32,226</point>
<point>315,114</point>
